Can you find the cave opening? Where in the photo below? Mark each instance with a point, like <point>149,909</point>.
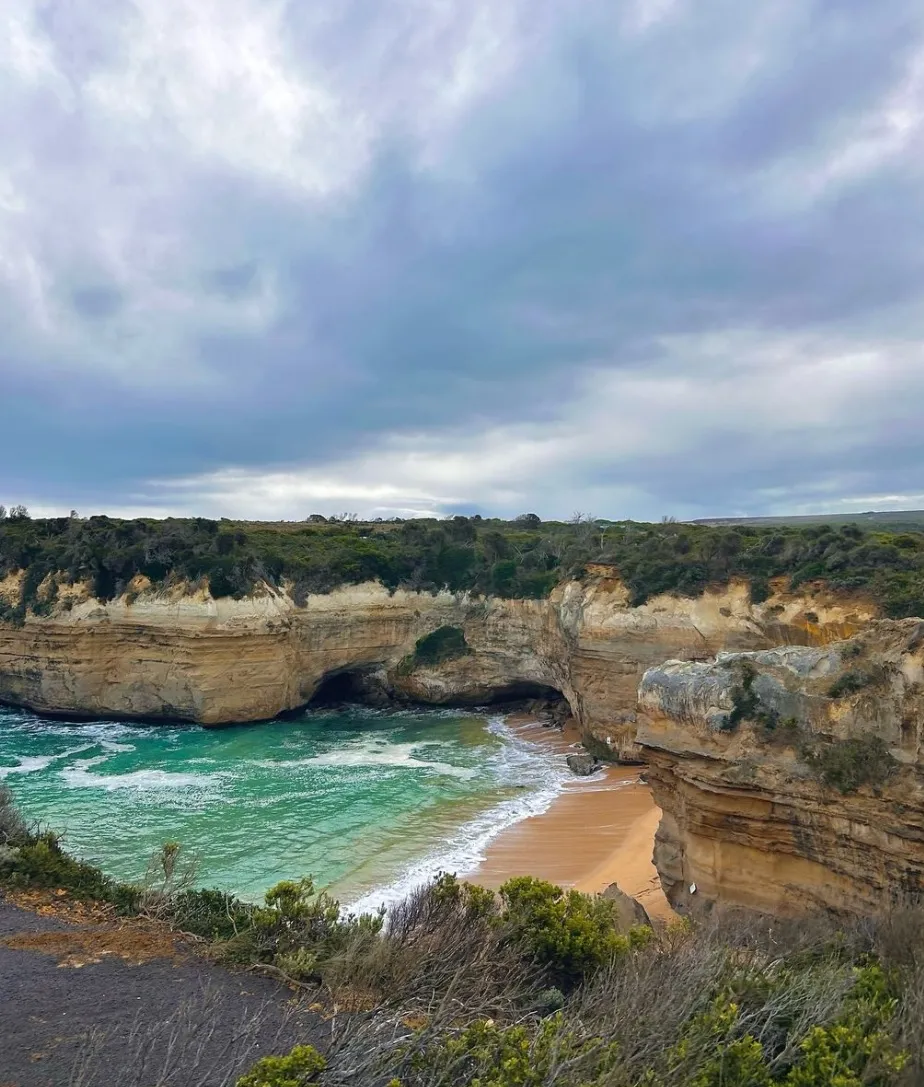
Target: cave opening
<point>348,686</point>
<point>363,687</point>
<point>521,692</point>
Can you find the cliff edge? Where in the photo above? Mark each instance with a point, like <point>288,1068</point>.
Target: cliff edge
<point>790,778</point>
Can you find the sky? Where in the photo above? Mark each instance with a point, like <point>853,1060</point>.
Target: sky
<point>633,258</point>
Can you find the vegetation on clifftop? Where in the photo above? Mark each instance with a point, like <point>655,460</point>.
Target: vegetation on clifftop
<point>521,558</point>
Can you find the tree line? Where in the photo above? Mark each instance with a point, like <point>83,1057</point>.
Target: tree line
<point>522,558</point>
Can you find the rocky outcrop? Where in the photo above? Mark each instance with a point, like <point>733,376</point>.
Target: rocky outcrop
<point>186,656</point>
<point>630,912</point>
<point>791,778</point>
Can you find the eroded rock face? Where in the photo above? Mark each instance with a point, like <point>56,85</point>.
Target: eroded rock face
<point>214,662</point>
<point>790,779</point>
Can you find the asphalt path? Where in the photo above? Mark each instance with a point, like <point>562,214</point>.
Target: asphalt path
<point>105,1003</point>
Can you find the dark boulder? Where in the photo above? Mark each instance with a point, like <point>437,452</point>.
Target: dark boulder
<point>583,765</point>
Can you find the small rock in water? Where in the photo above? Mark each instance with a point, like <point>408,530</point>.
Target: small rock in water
<point>583,765</point>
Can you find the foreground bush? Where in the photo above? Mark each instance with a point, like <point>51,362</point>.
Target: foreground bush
<point>755,1030</point>
<point>572,934</point>
<point>300,1067</point>
<point>486,1055</point>
<point>31,857</point>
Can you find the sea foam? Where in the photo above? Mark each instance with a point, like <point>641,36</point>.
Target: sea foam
<point>378,752</point>
<point>82,777</point>
<point>542,776</point>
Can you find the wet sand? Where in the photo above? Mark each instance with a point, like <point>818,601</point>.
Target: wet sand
<point>598,832</point>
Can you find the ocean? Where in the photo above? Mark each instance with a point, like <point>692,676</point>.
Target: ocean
<point>369,803</point>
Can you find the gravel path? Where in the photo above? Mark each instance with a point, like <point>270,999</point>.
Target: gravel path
<point>89,1002</point>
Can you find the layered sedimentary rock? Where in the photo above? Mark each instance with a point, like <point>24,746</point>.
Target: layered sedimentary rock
<point>187,656</point>
<point>791,778</point>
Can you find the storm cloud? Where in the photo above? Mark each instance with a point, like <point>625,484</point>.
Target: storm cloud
<point>261,258</point>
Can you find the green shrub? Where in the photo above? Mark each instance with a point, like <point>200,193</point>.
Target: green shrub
<point>449,891</point>
<point>13,828</point>
<point>786,732</point>
<point>856,680</point>
<point>760,589</point>
<point>744,701</point>
<point>718,1047</point>
<point>298,1068</point>
<point>746,705</point>
<point>41,862</point>
<point>300,927</point>
<point>857,1050</point>
<point>509,559</point>
<point>212,914</point>
<point>443,644</point>
<point>486,1055</point>
<point>570,933</point>
<point>847,765</point>
<point>714,1053</point>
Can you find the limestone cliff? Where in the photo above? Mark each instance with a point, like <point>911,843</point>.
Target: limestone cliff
<point>189,657</point>
<point>790,778</point>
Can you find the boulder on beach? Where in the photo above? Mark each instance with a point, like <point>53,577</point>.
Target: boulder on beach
<point>583,765</point>
<point>630,911</point>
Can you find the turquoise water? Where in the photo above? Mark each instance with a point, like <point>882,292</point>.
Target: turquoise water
<point>369,803</point>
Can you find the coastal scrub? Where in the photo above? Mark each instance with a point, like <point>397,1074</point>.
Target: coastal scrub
<point>523,558</point>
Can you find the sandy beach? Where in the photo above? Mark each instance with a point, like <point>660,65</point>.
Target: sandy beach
<point>598,832</point>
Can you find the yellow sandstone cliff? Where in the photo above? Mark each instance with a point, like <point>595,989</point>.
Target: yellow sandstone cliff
<point>787,769</point>
<point>188,657</point>
<point>790,779</point>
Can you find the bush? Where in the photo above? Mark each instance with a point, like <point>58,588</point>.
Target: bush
<point>847,765</point>
<point>212,914</point>
<point>856,680</point>
<point>300,927</point>
<point>298,1068</point>
<point>760,590</point>
<point>13,828</point>
<point>713,1052</point>
<point>443,644</point>
<point>854,1049</point>
<point>857,1050</point>
<point>746,705</point>
<point>486,1055</point>
<point>39,861</point>
<point>570,933</point>
<point>737,1004</point>
<point>520,559</point>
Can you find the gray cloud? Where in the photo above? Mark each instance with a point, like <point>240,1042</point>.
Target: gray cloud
<point>648,257</point>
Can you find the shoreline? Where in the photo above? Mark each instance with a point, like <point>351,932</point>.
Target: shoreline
<point>542,821</point>
<point>598,831</point>
<point>584,833</point>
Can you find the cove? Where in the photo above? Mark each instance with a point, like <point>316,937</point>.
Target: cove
<point>368,802</point>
